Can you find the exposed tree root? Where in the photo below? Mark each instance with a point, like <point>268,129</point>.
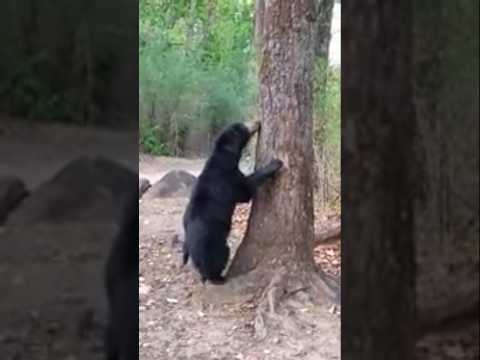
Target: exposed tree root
<point>285,296</point>
<point>328,236</point>
<point>280,296</point>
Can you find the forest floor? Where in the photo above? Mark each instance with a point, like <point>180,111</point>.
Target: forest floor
<point>52,300</point>
<point>177,322</point>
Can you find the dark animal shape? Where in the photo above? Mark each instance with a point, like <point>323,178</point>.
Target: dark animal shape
<point>121,280</point>
<point>220,186</point>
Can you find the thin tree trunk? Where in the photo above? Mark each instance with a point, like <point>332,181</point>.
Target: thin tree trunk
<point>318,177</point>
<point>211,6</point>
<point>326,184</point>
<point>323,28</point>
<point>191,24</point>
<point>259,21</point>
<point>378,302</point>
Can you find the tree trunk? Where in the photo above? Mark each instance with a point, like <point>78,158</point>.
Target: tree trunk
<point>191,25</point>
<point>210,17</point>
<point>446,226</point>
<point>279,237</point>
<point>377,195</point>
<point>318,165</point>
<point>323,28</point>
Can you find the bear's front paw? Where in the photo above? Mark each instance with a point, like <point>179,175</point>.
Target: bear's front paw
<point>253,127</point>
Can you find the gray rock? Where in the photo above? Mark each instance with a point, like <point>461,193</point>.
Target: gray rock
<point>87,188</point>
<point>176,183</point>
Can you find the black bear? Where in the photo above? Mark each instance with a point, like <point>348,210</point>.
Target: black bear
<point>220,186</point>
<point>121,281</point>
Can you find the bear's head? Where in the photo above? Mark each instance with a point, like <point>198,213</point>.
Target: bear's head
<point>235,137</point>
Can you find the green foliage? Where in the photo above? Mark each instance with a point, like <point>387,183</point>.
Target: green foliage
<point>196,70</point>
<point>327,111</point>
<point>149,141</point>
<point>47,74</point>
<point>32,98</point>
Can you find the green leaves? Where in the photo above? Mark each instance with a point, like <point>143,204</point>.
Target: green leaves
<point>195,69</point>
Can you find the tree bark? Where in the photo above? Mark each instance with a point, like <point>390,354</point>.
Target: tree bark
<point>279,237</point>
<point>378,302</point>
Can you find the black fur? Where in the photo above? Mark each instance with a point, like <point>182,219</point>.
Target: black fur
<point>121,278</point>
<point>220,186</point>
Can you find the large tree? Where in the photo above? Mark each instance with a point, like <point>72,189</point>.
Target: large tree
<point>277,250</point>
<point>378,122</point>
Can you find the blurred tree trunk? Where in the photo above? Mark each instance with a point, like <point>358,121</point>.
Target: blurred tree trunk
<point>378,122</point>
<point>279,238</point>
<point>191,24</point>
<point>210,9</point>
<point>446,226</point>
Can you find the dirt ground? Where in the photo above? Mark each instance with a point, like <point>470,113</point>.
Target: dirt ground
<point>178,322</point>
<point>52,303</point>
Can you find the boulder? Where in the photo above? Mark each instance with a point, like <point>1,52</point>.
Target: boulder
<point>87,188</point>
<point>176,183</point>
